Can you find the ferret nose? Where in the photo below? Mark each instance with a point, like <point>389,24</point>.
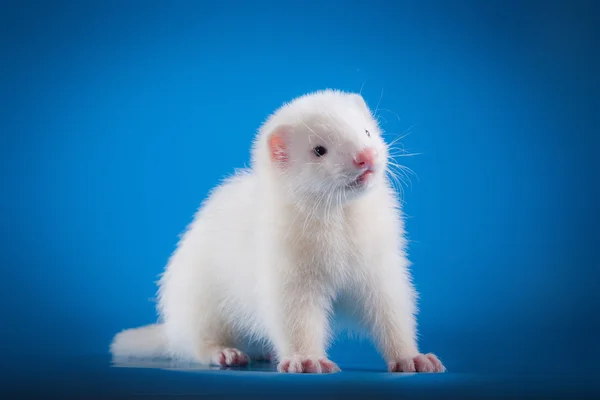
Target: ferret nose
<point>365,159</point>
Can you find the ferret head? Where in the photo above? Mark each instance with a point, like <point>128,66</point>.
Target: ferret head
<point>325,145</point>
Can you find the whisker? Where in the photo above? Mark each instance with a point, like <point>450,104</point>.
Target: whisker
<point>396,180</point>
<point>404,170</point>
<point>311,130</point>
<point>393,155</point>
<point>377,107</point>
<point>390,111</point>
<point>378,119</point>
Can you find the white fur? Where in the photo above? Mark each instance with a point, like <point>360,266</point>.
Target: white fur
<point>273,247</point>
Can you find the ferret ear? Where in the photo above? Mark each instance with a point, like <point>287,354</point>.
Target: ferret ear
<point>278,142</point>
<point>359,100</point>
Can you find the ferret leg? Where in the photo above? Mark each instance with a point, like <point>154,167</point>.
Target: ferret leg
<point>205,335</point>
<point>388,309</point>
<point>300,328</point>
<point>215,348</point>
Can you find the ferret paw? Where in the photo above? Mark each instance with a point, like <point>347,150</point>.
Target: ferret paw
<point>421,363</point>
<point>302,364</point>
<point>228,357</point>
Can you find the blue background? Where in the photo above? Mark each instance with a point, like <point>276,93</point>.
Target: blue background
<point>117,118</point>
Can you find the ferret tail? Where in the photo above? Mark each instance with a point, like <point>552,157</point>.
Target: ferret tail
<point>147,341</point>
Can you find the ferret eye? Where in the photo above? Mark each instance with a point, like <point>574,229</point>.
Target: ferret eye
<point>368,133</point>
<point>320,151</point>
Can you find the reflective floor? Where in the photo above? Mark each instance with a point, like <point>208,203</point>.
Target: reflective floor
<point>100,377</point>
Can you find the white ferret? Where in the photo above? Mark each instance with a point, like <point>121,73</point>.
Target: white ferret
<point>314,220</point>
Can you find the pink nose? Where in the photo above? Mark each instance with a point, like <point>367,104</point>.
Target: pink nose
<point>365,159</point>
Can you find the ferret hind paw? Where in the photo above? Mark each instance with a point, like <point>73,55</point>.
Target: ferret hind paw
<point>229,357</point>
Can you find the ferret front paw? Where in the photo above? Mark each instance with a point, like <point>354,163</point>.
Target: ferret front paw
<point>228,357</point>
<point>302,364</point>
<point>421,363</point>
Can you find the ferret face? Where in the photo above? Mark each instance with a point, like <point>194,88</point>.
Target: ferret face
<point>333,151</point>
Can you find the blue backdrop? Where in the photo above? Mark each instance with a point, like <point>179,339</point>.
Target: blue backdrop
<point>117,118</point>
